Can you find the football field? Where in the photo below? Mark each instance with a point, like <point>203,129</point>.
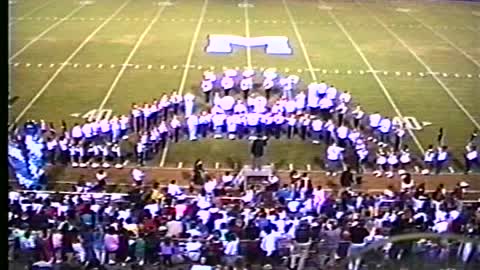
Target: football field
<point>418,61</point>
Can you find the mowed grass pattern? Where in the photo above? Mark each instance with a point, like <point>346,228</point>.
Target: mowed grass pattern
<point>158,63</point>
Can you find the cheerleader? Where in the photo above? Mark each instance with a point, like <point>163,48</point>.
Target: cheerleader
<point>381,162</point>
<point>393,163</point>
<point>405,158</point>
<point>117,154</point>
<point>136,116</point>
<point>428,160</point>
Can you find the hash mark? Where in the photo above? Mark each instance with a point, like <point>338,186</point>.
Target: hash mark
<point>39,65</point>
<point>162,66</point>
<point>52,65</point>
<point>112,66</point>
<point>87,65</point>
<point>100,66</point>
<point>75,65</point>
<point>137,66</point>
<point>149,67</point>
<point>28,64</point>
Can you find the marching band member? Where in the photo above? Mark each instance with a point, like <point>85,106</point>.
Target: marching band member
<point>246,84</point>
<point>141,153</point>
<point>326,105</point>
<point>164,104</point>
<point>155,110</point>
<point>331,93</point>
<point>290,106</point>
<point>76,133</point>
<point>136,115</point>
<point>163,130</point>
<point>342,133</point>
<point>399,132</point>
<point>334,159</point>
<point>105,129</point>
<point>277,108</point>
<point>300,101</point>
<point>266,124</point>
<point>147,114</point>
<point>189,104</point>
<point>374,122</point>
<point>192,124</point>
<point>227,103</point>
<point>341,110</point>
<point>287,87</point>
<point>259,105</point>
<point>115,127</point>
<point>82,157</point>
<point>227,84</point>
<point>207,87</point>
<point>362,155</point>
<point>105,149</point>
<point>304,123</point>
<point>328,129</point>
<point>278,121</point>
<point>218,121</point>
<point>175,125</point>
<point>232,121</point>
<point>268,85</point>
<point>240,107</point>
<point>385,126</point>
<point>353,136</point>
<point>242,125</point>
<point>175,100</point>
<point>203,124</point>
<point>63,146</point>
<point>52,146</point>
<point>253,119</point>
<point>441,159</point>
<point>124,125</point>
<point>345,97</point>
<point>94,155</point>
<point>87,131</point>
<point>317,125</point>
<point>291,122</point>
<point>313,98</point>
<point>74,157</point>
<point>358,115</point>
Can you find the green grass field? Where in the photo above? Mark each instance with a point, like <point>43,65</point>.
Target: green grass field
<point>410,58</point>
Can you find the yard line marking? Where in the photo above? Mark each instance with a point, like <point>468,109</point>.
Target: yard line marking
<point>129,57</point>
<point>309,167</point>
<point>434,74</point>
<point>290,167</point>
<point>380,83</point>
<point>302,44</point>
<point>192,48</point>
<point>217,165</point>
<point>180,165</point>
<point>31,12</point>
<point>35,39</point>
<point>185,70</point>
<point>247,34</point>
<point>69,58</point>
<point>444,38</point>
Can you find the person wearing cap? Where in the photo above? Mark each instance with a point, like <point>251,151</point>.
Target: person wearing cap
<point>341,134</point>
<point>124,126</point>
<point>163,130</point>
<point>303,124</point>
<point>105,129</point>
<point>175,100</point>
<point>326,106</point>
<point>300,102</point>
<point>253,121</point>
<point>259,104</point>
<point>227,84</point>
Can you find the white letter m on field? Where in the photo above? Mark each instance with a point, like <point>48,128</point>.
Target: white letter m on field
<point>225,43</point>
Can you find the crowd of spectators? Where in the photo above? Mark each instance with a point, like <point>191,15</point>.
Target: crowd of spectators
<point>281,225</point>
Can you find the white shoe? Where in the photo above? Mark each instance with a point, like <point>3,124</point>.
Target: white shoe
<point>106,165</point>
<point>315,142</point>
<point>328,173</point>
<point>83,165</point>
<point>74,164</point>
<point>334,174</point>
<point>118,166</point>
<point>111,262</point>
<point>95,165</point>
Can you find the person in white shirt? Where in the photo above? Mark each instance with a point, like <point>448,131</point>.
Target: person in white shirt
<point>136,114</point>
<point>342,133</point>
<point>207,87</point>
<point>341,111</point>
<point>51,146</point>
<point>227,84</point>
<point>313,98</point>
<point>334,159</point>
<point>393,163</point>
<point>304,123</point>
<point>164,104</point>
<point>358,115</point>
<point>331,93</point>
<point>218,121</point>
<point>345,97</point>
<point>175,100</point>
<point>428,160</point>
<point>204,123</point>
<point>374,120</point>
<point>399,132</point>
<point>300,101</point>
<point>76,133</point>
<point>405,158</point>
<point>175,125</point>
<point>193,249</point>
<point>227,103</point>
<point>231,249</point>
<point>246,84</point>
<point>227,179</point>
<point>240,107</point>
<point>441,159</point>
<point>192,124</point>
<point>173,189</point>
<point>278,121</point>
<point>471,158</point>
<point>269,244</point>
<point>381,162</point>
<point>326,106</point>
<point>317,125</point>
<point>138,176</point>
<point>385,126</point>
<point>328,131</point>
<point>189,102</point>
<point>232,123</point>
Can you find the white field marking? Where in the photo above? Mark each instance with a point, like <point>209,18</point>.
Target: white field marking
<point>52,65</point>
<point>409,73</point>
<point>385,73</point>
<point>180,165</point>
<point>112,65</point>
<point>137,66</point>
<point>192,47</point>
<point>456,75</point>
<point>165,4</point>
<point>434,75</point>
<point>129,57</point>
<point>87,65</point>
<point>309,167</point>
<point>444,38</point>
<point>476,13</point>
<point>39,65</point>
<point>149,66</point>
<point>31,12</point>
<point>299,70</point>
<point>217,165</point>
<point>16,64</point>
<point>397,73</point>
<point>324,71</point>
<point>75,65</point>
<point>162,66</point>
<point>39,36</point>
<point>444,74</point>
<point>336,71</point>
<point>28,64</point>
<point>69,58</point>
<point>404,10</point>
<point>349,72</point>
<point>187,63</point>
<point>362,72</point>
<point>287,70</point>
<point>247,33</point>
<point>174,67</point>
<point>100,66</point>
<point>290,166</point>
<point>302,45</point>
<point>421,74</point>
<point>380,83</point>
<point>469,75</point>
